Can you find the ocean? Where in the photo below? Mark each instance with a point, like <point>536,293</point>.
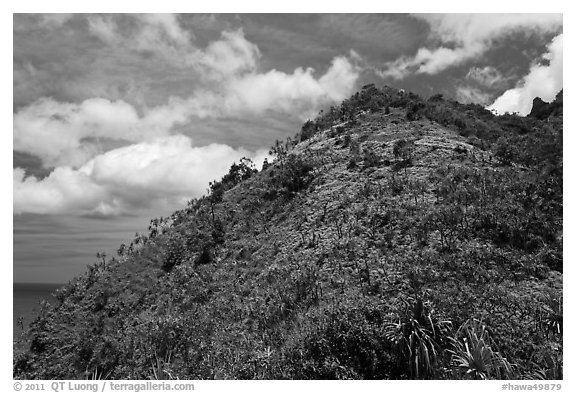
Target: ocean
<point>57,248</point>
<point>26,303</point>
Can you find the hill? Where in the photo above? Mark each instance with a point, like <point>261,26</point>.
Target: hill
<point>395,237</point>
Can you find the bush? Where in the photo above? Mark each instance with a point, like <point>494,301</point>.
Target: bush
<point>460,150</point>
<point>343,343</point>
<point>417,337</point>
<point>370,159</point>
<point>413,110</point>
<point>308,130</point>
<point>504,151</point>
<point>293,176</point>
<point>352,163</point>
<point>403,149</point>
<point>474,355</point>
<point>205,257</point>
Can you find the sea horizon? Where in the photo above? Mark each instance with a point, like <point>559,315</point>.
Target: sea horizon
<point>26,303</point>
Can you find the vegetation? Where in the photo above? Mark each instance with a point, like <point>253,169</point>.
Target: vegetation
<point>395,237</point>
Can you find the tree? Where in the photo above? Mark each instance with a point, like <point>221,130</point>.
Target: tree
<point>308,130</point>
<point>417,336</point>
<point>473,355</point>
<point>279,151</point>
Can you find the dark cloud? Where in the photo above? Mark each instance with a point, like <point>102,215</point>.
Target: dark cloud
<point>32,165</point>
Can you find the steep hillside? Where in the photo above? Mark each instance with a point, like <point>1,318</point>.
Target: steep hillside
<point>393,233</point>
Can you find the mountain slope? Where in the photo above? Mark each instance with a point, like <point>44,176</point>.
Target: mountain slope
<point>389,230</point>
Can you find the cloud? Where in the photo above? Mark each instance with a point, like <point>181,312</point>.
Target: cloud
<point>64,190</point>
<point>480,84</point>
<point>54,20</point>
<point>55,131</point>
<point>165,171</point>
<point>427,61</point>
<point>113,156</point>
<point>168,24</point>
<point>458,38</point>
<point>211,81</point>
<point>160,34</point>
<point>104,28</point>
<point>231,59</point>
<point>231,55</point>
<point>544,80</point>
<point>487,76</point>
<point>64,133</point>
<point>26,82</point>
<point>390,33</point>
<point>467,28</point>
<point>299,93</point>
<point>469,94</point>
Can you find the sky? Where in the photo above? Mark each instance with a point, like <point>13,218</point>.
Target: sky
<point>119,118</point>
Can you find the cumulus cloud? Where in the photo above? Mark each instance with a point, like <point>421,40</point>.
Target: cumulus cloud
<point>168,24</point>
<point>64,190</point>
<point>55,131</point>
<point>112,157</point>
<point>298,93</point>
<point>229,56</point>
<point>162,35</point>
<point>63,133</point>
<point>457,38</point>
<point>165,171</point>
<point>104,28</point>
<point>486,76</point>
<point>469,94</point>
<point>544,80</point>
<point>220,77</point>
<point>479,85</point>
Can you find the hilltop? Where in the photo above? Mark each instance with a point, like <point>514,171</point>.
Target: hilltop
<point>390,235</point>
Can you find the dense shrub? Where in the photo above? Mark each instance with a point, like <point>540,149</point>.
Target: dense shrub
<point>308,130</point>
<point>448,270</point>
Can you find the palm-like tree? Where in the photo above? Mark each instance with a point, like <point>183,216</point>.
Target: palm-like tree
<point>473,356</point>
<point>552,315</point>
<point>417,336</point>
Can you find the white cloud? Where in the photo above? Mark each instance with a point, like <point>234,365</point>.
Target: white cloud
<point>469,94</point>
<point>55,131</point>
<point>487,76</point>
<point>55,20</point>
<point>298,93</point>
<point>104,28</point>
<point>165,171</point>
<point>161,33</point>
<point>340,78</point>
<point>168,24</point>
<point>231,59</point>
<point>457,38</point>
<point>469,28</point>
<point>230,56</point>
<point>156,166</point>
<point>543,80</point>
<point>65,190</point>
